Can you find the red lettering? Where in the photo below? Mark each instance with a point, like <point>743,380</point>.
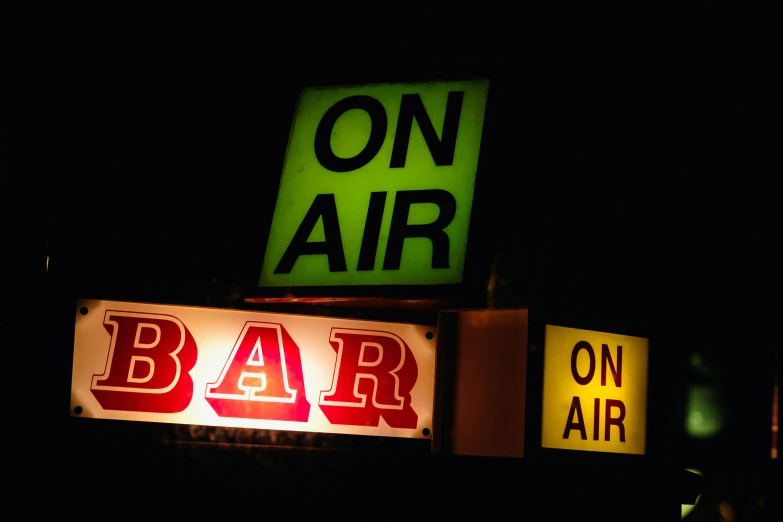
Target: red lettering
<point>147,368</point>
<point>373,378</point>
<point>262,378</point>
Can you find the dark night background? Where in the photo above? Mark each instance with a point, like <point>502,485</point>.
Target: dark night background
<point>623,182</point>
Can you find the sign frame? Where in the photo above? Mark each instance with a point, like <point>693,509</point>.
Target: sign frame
<point>477,263</point>
<point>200,324</point>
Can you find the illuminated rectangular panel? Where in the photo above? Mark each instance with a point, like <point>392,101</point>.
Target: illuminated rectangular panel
<point>246,369</point>
<point>595,391</point>
<point>377,186</point>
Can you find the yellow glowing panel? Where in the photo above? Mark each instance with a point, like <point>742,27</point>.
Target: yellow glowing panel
<point>595,391</point>
<point>245,369</point>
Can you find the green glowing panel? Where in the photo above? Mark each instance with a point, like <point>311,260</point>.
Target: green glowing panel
<point>704,417</point>
<point>377,186</point>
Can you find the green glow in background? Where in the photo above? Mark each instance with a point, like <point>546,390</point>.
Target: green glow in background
<point>303,178</point>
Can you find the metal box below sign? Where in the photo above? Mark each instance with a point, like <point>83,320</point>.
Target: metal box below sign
<point>481,383</point>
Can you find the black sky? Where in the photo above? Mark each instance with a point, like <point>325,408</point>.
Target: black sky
<point>625,171</point>
<point>597,169</point>
<point>617,153</point>
<point>623,164</point>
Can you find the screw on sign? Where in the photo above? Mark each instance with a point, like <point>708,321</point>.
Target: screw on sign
<point>594,400</point>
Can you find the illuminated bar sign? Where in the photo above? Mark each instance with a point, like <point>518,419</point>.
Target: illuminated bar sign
<point>245,369</point>
<point>377,186</point>
<point>595,391</point>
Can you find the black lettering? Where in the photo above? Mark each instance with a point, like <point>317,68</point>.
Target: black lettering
<point>372,231</point>
<point>617,373</point>
<point>323,135</point>
<point>400,229</point>
<point>583,345</point>
<point>323,207</point>
<point>596,417</point>
<point>576,409</point>
<point>610,403</point>
<point>442,150</point>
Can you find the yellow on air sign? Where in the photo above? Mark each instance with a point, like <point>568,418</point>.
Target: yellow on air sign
<point>377,186</point>
<point>595,391</point>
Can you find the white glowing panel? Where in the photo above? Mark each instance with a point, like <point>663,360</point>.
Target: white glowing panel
<point>246,369</point>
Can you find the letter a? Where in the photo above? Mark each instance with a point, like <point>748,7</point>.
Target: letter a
<point>576,409</point>
<point>262,378</point>
<point>323,207</point>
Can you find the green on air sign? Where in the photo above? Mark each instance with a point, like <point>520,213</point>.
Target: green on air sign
<point>377,186</point>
